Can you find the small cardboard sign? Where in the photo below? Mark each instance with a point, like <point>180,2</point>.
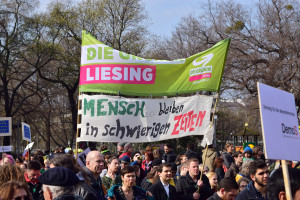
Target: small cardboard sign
<point>82,157</point>
<point>26,134</point>
<point>5,126</point>
<point>279,123</point>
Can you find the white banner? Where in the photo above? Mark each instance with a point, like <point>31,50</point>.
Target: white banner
<point>6,148</point>
<point>119,119</point>
<point>279,123</point>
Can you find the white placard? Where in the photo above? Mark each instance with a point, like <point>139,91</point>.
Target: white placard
<point>135,120</point>
<point>82,157</point>
<point>279,123</point>
<point>6,148</point>
<point>29,145</point>
<point>26,133</point>
<point>5,126</point>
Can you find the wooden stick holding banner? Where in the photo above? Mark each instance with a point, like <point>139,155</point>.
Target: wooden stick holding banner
<point>205,153</point>
<point>279,123</point>
<point>286,178</point>
<point>77,132</point>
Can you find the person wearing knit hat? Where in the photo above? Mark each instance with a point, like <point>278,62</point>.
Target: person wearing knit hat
<point>247,153</point>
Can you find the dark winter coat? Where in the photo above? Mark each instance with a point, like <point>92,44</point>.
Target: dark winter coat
<point>185,188</point>
<point>250,193</point>
<point>159,193</point>
<point>169,157</point>
<point>228,159</point>
<point>193,154</point>
<point>139,193</point>
<point>214,197</point>
<point>84,190</point>
<point>96,184</point>
<point>69,197</point>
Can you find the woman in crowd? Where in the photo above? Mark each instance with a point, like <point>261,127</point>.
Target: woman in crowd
<point>227,155</point>
<point>213,181</point>
<point>128,190</point>
<point>146,164</point>
<point>257,153</point>
<point>14,190</point>
<point>7,159</point>
<point>11,172</point>
<point>152,178</point>
<point>218,168</point>
<point>243,182</point>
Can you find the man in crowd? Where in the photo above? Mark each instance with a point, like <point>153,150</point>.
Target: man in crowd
<point>227,190</point>
<point>234,167</point>
<point>31,176</point>
<point>94,167</point>
<point>275,186</point>
<point>59,183</point>
<point>162,189</point>
<point>190,187</point>
<point>169,156</point>
<point>256,189</point>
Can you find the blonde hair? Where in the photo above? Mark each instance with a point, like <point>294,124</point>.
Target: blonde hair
<point>210,176</point>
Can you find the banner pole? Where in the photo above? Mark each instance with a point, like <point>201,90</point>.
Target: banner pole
<point>286,179</point>
<point>77,132</point>
<point>206,144</point>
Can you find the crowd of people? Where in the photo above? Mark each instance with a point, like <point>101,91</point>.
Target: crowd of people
<point>150,173</point>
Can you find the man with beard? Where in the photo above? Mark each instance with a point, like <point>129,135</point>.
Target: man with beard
<point>94,167</point>
<point>190,186</point>
<point>162,189</point>
<point>256,189</point>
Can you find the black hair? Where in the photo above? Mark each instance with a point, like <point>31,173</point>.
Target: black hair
<point>40,159</point>
<point>191,146</point>
<point>34,165</point>
<point>168,145</point>
<point>228,183</point>
<point>256,164</point>
<point>236,154</point>
<point>127,169</point>
<point>276,184</point>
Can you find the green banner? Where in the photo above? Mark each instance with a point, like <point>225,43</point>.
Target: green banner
<point>106,70</point>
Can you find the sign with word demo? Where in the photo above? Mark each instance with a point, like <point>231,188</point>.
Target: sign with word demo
<point>106,70</point>
<point>279,123</point>
<point>26,134</point>
<point>5,126</point>
<point>119,119</point>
